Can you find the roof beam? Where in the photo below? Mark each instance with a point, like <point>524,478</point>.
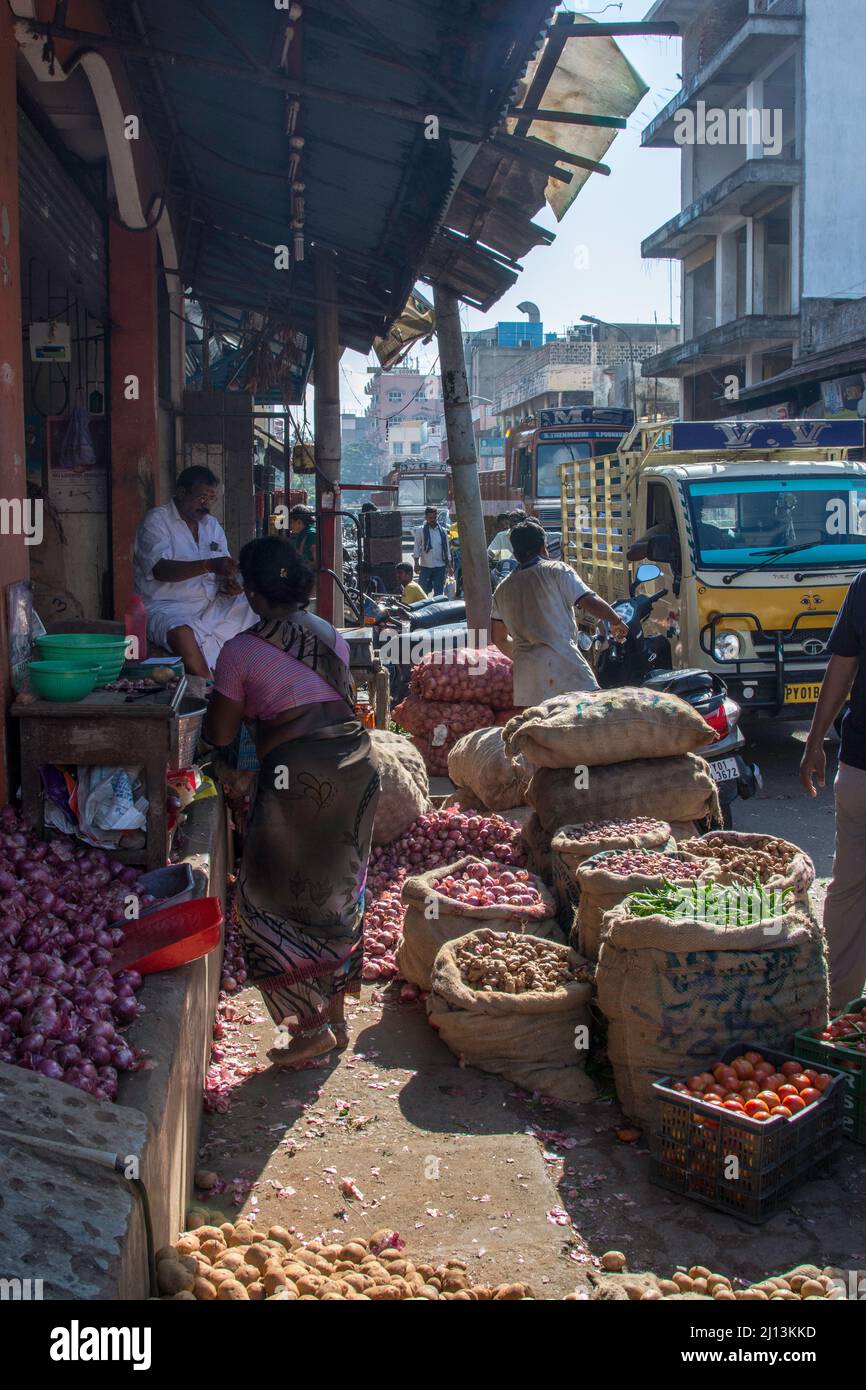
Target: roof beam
<point>567,117</point>
<point>664,29</point>
<point>467,130</point>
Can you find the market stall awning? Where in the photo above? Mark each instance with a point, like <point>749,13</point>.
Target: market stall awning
<point>809,371</point>
<point>575,95</point>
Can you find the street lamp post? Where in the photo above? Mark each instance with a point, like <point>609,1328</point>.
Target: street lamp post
<point>602,323</point>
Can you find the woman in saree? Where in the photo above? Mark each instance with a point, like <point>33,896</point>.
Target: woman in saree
<point>303,874</point>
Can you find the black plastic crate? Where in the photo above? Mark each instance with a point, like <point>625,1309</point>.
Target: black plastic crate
<point>847,1059</point>
<point>692,1145</point>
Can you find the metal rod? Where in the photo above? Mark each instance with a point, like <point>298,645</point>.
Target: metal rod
<point>567,117</point>
<point>396,110</point>
<point>662,28</point>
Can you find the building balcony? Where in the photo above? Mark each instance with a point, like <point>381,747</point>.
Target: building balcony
<point>726,342</point>
<point>740,194</point>
<point>753,45</point>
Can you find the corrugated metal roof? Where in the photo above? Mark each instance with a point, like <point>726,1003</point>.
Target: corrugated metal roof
<point>375,186</point>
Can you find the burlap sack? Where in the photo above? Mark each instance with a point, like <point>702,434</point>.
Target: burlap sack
<point>432,918</point>
<point>600,890</point>
<point>573,844</point>
<point>662,788</point>
<point>479,761</point>
<point>676,994</point>
<point>798,875</point>
<point>598,727</point>
<point>404,787</point>
<point>528,1038</point>
<point>538,852</point>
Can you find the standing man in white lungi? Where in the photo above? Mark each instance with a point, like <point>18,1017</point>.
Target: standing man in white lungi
<point>186,577</point>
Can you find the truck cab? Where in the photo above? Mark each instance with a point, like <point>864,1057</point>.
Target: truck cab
<point>757,541</point>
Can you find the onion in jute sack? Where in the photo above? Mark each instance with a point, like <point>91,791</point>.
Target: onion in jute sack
<point>573,844</point>
<point>530,1038</point>
<point>600,890</point>
<point>432,918</point>
<point>777,864</point>
<point>479,761</point>
<point>677,993</point>
<point>595,728</point>
<point>538,851</point>
<point>404,786</point>
<point>467,801</point>
<point>662,788</point>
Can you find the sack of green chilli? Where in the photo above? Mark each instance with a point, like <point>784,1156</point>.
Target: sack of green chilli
<point>574,844</point>
<point>688,970</point>
<point>607,878</point>
<point>777,864</point>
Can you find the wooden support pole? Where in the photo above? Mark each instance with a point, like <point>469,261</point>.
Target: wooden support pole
<point>326,416</point>
<point>463,462</point>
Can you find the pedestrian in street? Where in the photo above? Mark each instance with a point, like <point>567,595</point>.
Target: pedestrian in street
<point>302,879</point>
<point>533,620</point>
<point>432,553</point>
<point>845,903</point>
<point>500,547</point>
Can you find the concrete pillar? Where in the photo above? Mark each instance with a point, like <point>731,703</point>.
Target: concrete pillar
<point>326,411</point>
<point>464,464</point>
<point>13,552</point>
<point>132,269</point>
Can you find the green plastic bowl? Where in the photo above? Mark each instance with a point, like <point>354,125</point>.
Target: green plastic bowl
<point>94,648</point>
<point>61,680</point>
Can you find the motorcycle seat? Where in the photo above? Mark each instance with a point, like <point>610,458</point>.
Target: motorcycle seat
<point>694,681</point>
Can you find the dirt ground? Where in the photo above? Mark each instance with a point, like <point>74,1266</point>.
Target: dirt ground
<point>393,1133</point>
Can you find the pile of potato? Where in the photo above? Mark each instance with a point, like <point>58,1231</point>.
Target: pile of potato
<point>513,963</point>
<point>773,861</point>
<point>235,1262</point>
<point>804,1282</point>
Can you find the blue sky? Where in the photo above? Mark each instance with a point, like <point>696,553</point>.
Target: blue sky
<point>610,218</point>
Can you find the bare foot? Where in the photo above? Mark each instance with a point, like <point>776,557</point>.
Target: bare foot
<point>303,1048</point>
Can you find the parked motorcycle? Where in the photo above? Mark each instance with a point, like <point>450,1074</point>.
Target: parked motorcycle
<point>647,661</point>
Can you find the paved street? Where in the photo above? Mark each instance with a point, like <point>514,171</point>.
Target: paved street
<point>783,808</point>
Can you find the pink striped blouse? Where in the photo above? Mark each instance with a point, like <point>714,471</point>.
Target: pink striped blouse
<point>267,681</point>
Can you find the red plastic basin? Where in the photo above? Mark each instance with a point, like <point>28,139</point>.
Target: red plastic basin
<point>169,938</point>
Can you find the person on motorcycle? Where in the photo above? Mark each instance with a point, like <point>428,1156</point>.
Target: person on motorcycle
<point>412,591</point>
<point>533,620</point>
<point>500,547</point>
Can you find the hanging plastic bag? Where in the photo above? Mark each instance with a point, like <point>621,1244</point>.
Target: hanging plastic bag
<point>77,449</point>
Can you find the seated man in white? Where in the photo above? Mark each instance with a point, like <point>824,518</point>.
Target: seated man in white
<point>186,577</point>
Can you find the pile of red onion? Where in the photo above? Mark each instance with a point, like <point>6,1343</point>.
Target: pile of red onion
<point>61,1010</point>
<point>486,885</point>
<point>465,674</point>
<point>434,839</point>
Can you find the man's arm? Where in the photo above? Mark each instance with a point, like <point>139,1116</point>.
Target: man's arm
<point>841,671</point>
<point>500,637</point>
<point>597,608</point>
<point>175,571</point>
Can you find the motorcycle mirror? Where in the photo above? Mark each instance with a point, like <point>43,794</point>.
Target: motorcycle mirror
<point>646,574</point>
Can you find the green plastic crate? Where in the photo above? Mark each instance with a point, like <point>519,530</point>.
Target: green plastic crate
<point>812,1049</point>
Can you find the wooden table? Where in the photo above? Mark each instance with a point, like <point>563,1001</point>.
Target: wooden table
<point>104,729</point>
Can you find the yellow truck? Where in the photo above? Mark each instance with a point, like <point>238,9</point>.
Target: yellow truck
<point>758,528</point>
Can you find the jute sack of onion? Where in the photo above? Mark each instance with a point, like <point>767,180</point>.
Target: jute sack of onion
<point>573,844</point>
<point>688,970</point>
<point>539,856</point>
<point>447,902</point>
<point>606,879</point>
<point>403,786</point>
<point>516,1006</point>
<point>479,761</point>
<point>599,727</point>
<point>670,789</point>
<point>778,864</point>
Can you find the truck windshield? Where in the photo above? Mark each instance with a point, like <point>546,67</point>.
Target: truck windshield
<point>411,492</point>
<point>740,521</point>
<point>549,458</point>
<point>437,489</point>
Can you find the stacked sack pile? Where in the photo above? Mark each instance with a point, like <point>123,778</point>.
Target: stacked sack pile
<point>452,694</point>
